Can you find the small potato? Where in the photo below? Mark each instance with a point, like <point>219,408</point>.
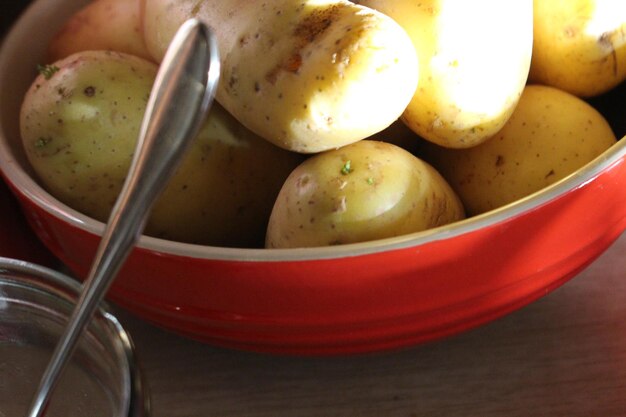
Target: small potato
<point>114,25</point>
<point>474,57</point>
<point>550,135</point>
<point>579,45</point>
<point>79,124</point>
<point>364,191</point>
<point>80,129</point>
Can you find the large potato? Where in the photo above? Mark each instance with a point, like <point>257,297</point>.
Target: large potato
<point>550,135</point>
<point>580,45</point>
<point>364,191</point>
<point>306,75</point>
<point>474,57</point>
<point>115,25</point>
<point>80,127</point>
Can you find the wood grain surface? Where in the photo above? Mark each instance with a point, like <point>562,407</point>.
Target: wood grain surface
<point>564,355</point>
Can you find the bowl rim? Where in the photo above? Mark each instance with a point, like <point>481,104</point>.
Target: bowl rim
<point>35,193</point>
<point>31,190</point>
<point>138,400</point>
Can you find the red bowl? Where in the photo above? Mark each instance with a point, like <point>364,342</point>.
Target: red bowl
<point>334,300</point>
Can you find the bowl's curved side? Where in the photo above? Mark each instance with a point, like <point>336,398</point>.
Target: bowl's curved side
<point>366,302</point>
<point>393,299</point>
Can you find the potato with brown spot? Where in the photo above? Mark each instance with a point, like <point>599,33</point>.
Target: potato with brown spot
<point>364,191</point>
<point>550,135</point>
<point>80,122</point>
<point>306,75</point>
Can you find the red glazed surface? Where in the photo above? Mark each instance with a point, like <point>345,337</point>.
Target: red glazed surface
<point>374,301</point>
<point>347,299</point>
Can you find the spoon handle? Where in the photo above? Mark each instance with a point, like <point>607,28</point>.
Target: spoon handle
<point>180,99</point>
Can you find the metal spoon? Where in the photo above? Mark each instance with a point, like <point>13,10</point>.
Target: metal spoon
<point>182,95</point>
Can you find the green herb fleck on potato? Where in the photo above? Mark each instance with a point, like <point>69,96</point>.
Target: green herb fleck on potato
<point>47,70</point>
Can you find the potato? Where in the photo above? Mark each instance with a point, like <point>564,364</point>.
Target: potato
<point>308,76</point>
<point>225,189</point>
<point>115,25</point>
<point>550,135</point>
<point>580,45</point>
<point>474,57</point>
<point>79,124</point>
<point>80,129</point>
<point>364,191</point>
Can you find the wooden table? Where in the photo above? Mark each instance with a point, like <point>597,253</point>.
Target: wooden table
<point>564,355</point>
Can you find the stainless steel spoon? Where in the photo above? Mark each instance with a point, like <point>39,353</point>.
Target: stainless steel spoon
<point>182,95</point>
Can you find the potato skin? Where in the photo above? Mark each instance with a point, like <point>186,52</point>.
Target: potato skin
<point>550,135</point>
<point>114,25</point>
<point>579,45</point>
<point>474,58</point>
<point>364,191</point>
<point>307,76</point>
<point>80,126</point>
<point>80,129</point>
<point>225,188</point>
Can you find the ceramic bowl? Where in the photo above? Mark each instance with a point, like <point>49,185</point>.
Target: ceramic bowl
<point>101,378</point>
<point>334,300</point>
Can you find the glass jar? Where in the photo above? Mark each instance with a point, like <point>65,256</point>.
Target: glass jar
<point>102,378</point>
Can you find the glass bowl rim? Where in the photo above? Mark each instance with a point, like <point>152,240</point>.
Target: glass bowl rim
<point>138,400</point>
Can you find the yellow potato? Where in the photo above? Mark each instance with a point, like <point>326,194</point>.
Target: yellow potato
<point>550,135</point>
<point>474,57</point>
<point>580,45</point>
<point>306,75</point>
<point>114,25</point>
<point>223,193</point>
<point>80,122</point>
<point>364,191</point>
